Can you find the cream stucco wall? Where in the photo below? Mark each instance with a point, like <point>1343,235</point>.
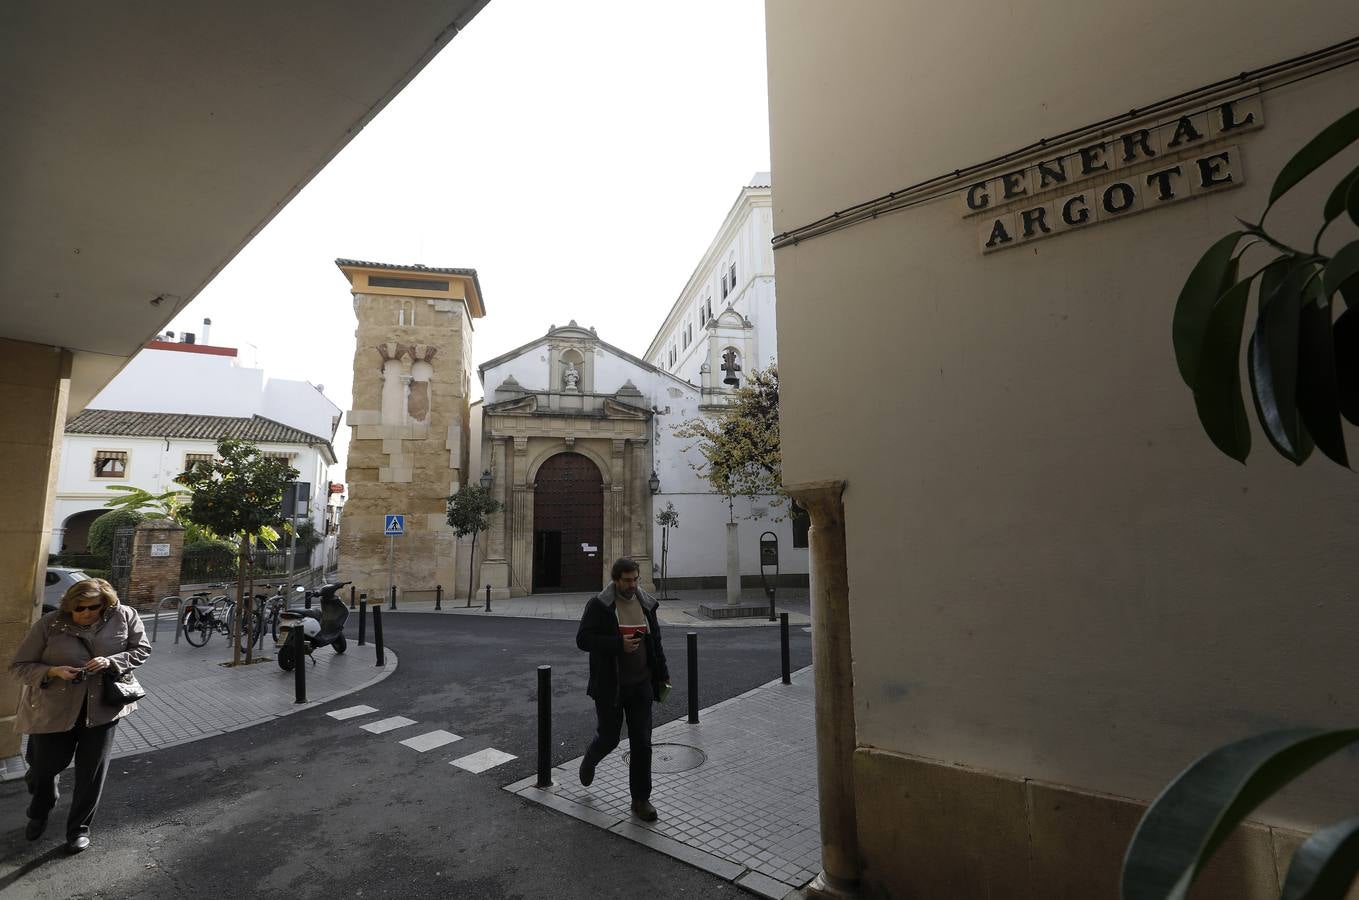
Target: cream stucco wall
<point>1053,574</point>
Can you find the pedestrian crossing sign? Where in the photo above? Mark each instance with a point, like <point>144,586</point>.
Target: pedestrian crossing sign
<point>396,526</point>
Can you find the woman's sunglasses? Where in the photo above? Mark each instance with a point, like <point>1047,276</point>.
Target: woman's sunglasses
<point>89,608</point>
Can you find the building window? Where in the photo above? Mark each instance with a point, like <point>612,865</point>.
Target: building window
<point>724,286</point>
<point>708,304</point>
<point>405,314</point>
<point>110,463</point>
<point>193,460</point>
<point>733,277</point>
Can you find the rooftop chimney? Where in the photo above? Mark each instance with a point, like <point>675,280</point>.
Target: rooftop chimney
<point>187,338</point>
<point>207,326</point>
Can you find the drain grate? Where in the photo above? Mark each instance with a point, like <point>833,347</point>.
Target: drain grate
<point>671,758</point>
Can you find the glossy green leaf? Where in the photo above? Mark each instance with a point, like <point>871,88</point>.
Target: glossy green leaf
<point>1274,358</point>
<point>1346,333</point>
<point>1195,304</point>
<point>1332,139</point>
<point>1337,203</point>
<point>1217,397</point>
<point>1318,392</point>
<point>1324,867</point>
<point>1343,266</point>
<point>1198,810</point>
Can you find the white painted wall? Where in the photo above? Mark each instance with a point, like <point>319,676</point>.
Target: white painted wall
<point>178,381</point>
<point>152,465</point>
<point>1054,575</point>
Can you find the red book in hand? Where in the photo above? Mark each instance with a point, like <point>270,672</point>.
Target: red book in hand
<point>626,630</point>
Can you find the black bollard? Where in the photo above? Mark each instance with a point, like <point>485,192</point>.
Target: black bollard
<point>488,598</point>
<point>783,648</point>
<point>363,617</point>
<point>438,597</point>
<point>377,634</point>
<point>544,726</point>
<point>351,596</point>
<point>693,677</point>
<point>770,592</point>
<point>393,596</point>
<point>307,594</point>
<point>299,664</point>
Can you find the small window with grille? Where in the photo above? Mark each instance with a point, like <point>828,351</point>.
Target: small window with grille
<point>110,463</point>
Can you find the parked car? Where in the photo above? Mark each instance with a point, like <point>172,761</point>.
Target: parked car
<point>59,580</point>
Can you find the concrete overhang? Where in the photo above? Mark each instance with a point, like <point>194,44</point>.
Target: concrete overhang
<point>146,143</point>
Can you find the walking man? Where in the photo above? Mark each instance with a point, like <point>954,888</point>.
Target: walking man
<point>620,631</point>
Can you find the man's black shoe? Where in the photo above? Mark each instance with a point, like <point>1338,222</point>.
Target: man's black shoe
<point>644,810</point>
<point>587,772</point>
<point>35,829</point>
<point>77,843</point>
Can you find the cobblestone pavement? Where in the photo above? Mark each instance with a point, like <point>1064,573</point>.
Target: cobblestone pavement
<point>190,695</point>
<point>680,610</point>
<point>736,793</point>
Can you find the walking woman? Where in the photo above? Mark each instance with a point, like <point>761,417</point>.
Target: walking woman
<point>61,664</point>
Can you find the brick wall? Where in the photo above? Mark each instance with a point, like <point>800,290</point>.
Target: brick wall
<point>155,576</point>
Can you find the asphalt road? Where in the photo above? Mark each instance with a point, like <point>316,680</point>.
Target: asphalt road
<point>308,807</point>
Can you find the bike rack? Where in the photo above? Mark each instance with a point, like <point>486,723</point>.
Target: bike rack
<point>160,607</point>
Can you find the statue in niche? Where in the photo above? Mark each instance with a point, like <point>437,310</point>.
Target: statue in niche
<point>571,377</point>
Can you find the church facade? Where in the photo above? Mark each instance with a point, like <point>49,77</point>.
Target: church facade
<point>568,438</point>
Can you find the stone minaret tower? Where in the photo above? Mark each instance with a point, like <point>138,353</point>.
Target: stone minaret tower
<point>408,448</point>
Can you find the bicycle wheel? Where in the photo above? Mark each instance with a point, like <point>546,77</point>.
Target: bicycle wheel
<point>250,631</point>
<point>197,627</point>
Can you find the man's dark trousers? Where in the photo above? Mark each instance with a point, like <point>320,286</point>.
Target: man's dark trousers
<point>636,700</point>
<point>49,754</point>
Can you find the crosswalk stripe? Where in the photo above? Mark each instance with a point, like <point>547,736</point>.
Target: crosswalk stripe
<point>390,724</point>
<point>350,712</point>
<point>425,742</point>
<point>482,760</point>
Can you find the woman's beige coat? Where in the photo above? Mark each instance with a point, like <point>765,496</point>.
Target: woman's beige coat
<point>48,705</point>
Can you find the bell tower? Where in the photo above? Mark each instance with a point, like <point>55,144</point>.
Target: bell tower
<point>408,448</point>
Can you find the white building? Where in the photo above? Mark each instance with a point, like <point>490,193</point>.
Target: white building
<point>168,408</point>
<point>720,327</point>
<point>611,414</point>
<point>722,324</point>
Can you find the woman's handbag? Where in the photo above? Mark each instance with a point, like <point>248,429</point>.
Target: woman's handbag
<point>120,690</point>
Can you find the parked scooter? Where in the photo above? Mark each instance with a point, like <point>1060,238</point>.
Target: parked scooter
<point>320,628</point>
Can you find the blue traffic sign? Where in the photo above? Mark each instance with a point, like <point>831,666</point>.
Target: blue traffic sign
<point>395,527</point>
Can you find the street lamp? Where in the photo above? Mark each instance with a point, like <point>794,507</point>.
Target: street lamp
<point>486,480</point>
<point>654,482</point>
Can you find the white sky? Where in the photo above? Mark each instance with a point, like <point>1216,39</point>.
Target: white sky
<point>580,157</point>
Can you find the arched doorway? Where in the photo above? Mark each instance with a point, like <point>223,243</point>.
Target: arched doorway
<point>568,525</point>
<point>76,536</point>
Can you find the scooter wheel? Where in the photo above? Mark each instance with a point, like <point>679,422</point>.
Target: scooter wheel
<point>340,644</point>
<point>285,658</point>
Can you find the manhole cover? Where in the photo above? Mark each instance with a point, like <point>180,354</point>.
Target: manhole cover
<point>674,757</point>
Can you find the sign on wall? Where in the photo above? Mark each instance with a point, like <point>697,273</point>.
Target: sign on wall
<point>1138,168</point>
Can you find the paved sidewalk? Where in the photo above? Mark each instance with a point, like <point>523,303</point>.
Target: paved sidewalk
<point>190,695</point>
<point>679,610</point>
<point>736,793</point>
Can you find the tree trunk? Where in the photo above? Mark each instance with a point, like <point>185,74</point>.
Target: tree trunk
<point>240,597</point>
<point>471,568</point>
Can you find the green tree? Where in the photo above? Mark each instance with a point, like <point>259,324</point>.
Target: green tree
<point>1302,364</point>
<point>240,494</point>
<point>740,447</point>
<point>667,518</point>
<point>102,528</point>
<point>469,512</point>
<point>165,505</point>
